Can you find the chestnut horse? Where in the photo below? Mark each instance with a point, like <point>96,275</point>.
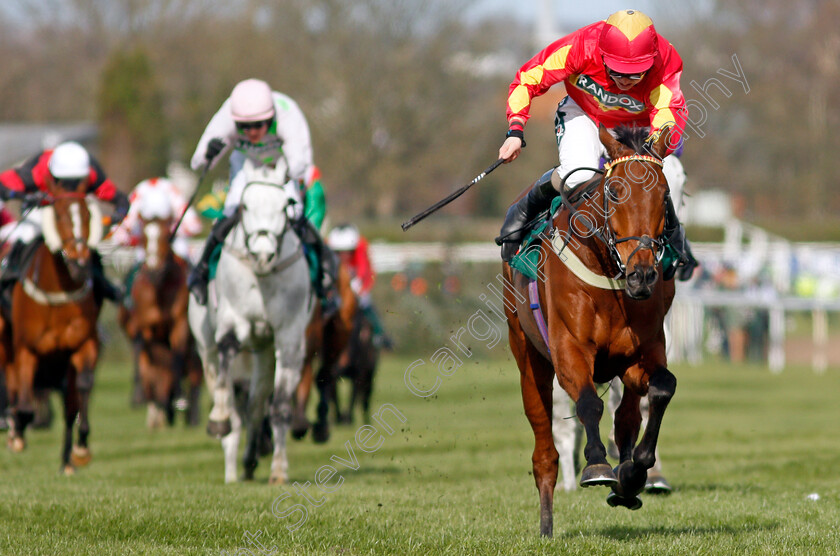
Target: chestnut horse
<point>327,340</point>
<point>603,317</point>
<point>54,313</point>
<point>157,326</point>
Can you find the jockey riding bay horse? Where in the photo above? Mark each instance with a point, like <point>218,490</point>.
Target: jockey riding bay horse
<point>156,323</point>
<point>595,312</point>
<point>54,312</point>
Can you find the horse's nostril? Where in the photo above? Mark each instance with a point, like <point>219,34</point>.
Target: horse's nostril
<point>651,277</point>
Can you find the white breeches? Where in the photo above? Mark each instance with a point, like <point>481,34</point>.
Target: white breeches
<point>579,146</point>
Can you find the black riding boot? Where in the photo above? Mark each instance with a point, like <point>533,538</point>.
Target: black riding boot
<point>675,236</point>
<point>11,272</point>
<point>326,281</point>
<point>12,264</point>
<point>200,274</point>
<point>102,287</point>
<point>537,200</point>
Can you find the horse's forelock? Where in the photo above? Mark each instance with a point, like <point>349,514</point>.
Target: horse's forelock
<point>633,137</point>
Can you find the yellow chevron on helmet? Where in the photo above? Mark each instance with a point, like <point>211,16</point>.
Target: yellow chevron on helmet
<point>628,42</point>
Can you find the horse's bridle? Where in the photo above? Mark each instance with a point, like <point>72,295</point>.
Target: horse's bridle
<point>605,233</point>
<point>249,235</point>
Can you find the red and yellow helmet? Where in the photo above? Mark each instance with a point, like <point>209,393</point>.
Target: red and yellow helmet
<point>628,42</point>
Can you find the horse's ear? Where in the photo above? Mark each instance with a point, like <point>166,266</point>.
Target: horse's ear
<point>612,145</point>
<point>660,147</point>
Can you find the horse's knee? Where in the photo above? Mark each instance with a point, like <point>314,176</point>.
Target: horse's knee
<point>589,407</point>
<point>229,345</point>
<point>662,386</point>
<point>84,380</point>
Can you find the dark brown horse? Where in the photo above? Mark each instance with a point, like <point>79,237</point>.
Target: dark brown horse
<point>53,320</point>
<point>603,317</point>
<point>157,326</point>
<point>326,339</point>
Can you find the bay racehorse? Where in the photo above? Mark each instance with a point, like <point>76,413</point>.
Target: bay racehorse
<point>250,335</point>
<point>155,321</point>
<point>55,342</point>
<point>327,340</point>
<point>357,364</point>
<point>595,312</point>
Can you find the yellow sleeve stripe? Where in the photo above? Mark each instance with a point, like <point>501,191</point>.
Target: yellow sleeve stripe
<point>557,61</point>
<point>660,98</point>
<point>520,97</point>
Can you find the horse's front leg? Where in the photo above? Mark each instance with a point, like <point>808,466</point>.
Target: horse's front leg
<point>262,380</point>
<point>626,422</point>
<point>84,363</point>
<point>219,426</point>
<point>574,373</point>
<point>632,473</point>
<point>661,388</point>
<point>179,344</point>
<point>22,391</point>
<point>288,363</point>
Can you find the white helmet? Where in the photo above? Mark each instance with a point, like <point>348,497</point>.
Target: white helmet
<point>69,160</point>
<point>155,203</point>
<point>343,238</point>
<point>251,101</point>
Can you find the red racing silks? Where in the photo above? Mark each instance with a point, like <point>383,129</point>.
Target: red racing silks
<point>575,60</point>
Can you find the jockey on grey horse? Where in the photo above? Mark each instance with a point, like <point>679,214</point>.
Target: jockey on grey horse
<point>266,128</point>
<point>252,340</point>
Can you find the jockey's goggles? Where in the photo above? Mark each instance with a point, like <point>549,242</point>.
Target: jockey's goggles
<point>243,126</point>
<point>633,76</point>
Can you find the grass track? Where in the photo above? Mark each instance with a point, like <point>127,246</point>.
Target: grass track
<point>743,448</point>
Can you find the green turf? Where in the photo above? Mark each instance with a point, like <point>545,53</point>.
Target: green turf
<point>743,447</point>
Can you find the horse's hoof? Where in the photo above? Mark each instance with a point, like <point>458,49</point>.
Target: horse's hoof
<point>657,484</point>
<point>632,503</point>
<point>80,456</point>
<point>16,444</point>
<point>320,433</point>
<point>277,479</point>
<point>598,474</point>
<point>299,433</point>
<point>219,429</point>
<point>68,470</point>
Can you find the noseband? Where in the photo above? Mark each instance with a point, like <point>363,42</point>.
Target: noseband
<point>605,233</point>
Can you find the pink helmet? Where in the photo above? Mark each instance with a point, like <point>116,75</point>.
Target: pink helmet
<point>251,101</point>
<point>628,42</point>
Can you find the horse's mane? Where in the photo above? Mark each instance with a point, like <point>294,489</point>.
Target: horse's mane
<point>634,137</point>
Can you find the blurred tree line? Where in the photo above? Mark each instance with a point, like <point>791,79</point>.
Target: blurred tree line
<point>406,101</point>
